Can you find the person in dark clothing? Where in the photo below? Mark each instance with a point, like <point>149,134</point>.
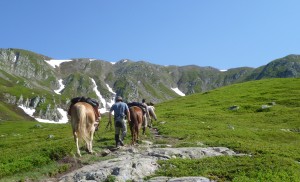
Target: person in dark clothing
<point>120,110</point>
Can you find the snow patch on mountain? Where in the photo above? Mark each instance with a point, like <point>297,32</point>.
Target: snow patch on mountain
<point>27,110</point>
<point>102,100</point>
<point>55,63</point>
<point>178,91</point>
<point>62,86</point>
<point>30,111</point>
<point>63,120</point>
<point>112,101</point>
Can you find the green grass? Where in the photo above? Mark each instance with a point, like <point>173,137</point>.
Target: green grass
<point>8,113</point>
<point>257,168</point>
<point>26,145</point>
<point>28,153</point>
<point>270,138</point>
<point>263,134</point>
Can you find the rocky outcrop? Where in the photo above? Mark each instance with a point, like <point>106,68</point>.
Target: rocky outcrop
<point>50,113</point>
<point>25,64</point>
<point>9,99</point>
<point>135,163</point>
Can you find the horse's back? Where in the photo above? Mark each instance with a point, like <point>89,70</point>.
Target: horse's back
<point>136,110</point>
<point>86,107</point>
<point>136,114</point>
<point>82,109</point>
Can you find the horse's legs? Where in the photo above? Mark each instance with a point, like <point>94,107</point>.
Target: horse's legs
<point>137,133</point>
<point>150,123</point>
<point>89,146</point>
<point>132,135</point>
<point>91,140</point>
<point>144,123</point>
<point>76,141</point>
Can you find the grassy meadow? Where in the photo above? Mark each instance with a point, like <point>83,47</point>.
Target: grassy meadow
<point>33,151</point>
<point>270,137</point>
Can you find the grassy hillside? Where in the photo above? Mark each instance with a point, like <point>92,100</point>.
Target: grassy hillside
<point>26,146</point>
<point>269,136</point>
<point>32,151</point>
<point>12,113</point>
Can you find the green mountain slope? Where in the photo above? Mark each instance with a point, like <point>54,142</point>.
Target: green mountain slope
<point>286,67</point>
<point>28,78</point>
<point>266,127</point>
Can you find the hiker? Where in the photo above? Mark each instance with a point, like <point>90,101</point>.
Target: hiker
<point>146,116</point>
<point>120,111</point>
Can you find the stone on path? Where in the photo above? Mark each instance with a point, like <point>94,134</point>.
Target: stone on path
<point>136,162</point>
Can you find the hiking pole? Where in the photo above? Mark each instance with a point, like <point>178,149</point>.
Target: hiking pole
<point>96,130</point>
<point>108,125</point>
<point>97,135</point>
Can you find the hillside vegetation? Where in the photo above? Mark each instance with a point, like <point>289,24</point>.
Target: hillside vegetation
<point>270,137</point>
<point>32,80</point>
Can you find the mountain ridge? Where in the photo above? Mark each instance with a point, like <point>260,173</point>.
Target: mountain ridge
<point>33,76</point>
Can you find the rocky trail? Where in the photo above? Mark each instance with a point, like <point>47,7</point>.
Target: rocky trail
<point>134,163</point>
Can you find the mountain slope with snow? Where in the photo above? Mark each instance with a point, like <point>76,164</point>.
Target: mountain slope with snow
<point>46,85</point>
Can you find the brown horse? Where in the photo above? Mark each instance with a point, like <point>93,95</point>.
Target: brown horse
<point>136,117</point>
<point>83,124</point>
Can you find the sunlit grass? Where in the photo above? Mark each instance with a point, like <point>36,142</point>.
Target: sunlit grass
<point>261,133</point>
<point>31,150</point>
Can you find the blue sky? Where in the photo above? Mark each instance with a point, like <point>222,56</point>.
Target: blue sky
<point>221,34</point>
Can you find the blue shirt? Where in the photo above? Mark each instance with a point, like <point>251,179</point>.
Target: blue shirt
<point>119,109</point>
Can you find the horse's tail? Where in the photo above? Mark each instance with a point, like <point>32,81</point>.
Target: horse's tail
<point>136,124</point>
<point>82,120</point>
<point>139,116</point>
<point>134,118</point>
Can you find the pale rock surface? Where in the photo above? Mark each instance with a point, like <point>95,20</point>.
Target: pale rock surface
<point>134,163</point>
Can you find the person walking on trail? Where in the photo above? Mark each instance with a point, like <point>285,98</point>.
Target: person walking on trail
<point>146,116</point>
<point>120,110</point>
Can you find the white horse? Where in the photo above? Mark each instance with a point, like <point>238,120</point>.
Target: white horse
<point>151,110</point>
